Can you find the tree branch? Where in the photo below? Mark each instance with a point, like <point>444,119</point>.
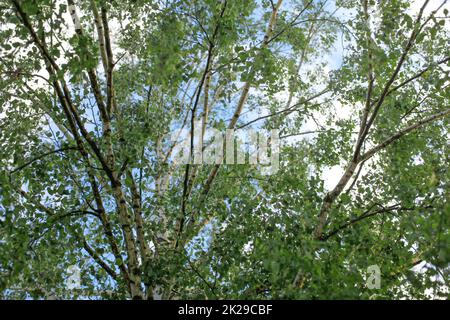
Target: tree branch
<point>42,156</point>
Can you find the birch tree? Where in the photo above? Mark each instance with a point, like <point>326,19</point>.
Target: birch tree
<point>93,92</point>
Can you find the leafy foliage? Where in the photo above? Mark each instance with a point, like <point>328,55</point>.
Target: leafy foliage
<point>90,91</point>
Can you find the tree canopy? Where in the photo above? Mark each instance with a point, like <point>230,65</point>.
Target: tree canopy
<point>93,92</point>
